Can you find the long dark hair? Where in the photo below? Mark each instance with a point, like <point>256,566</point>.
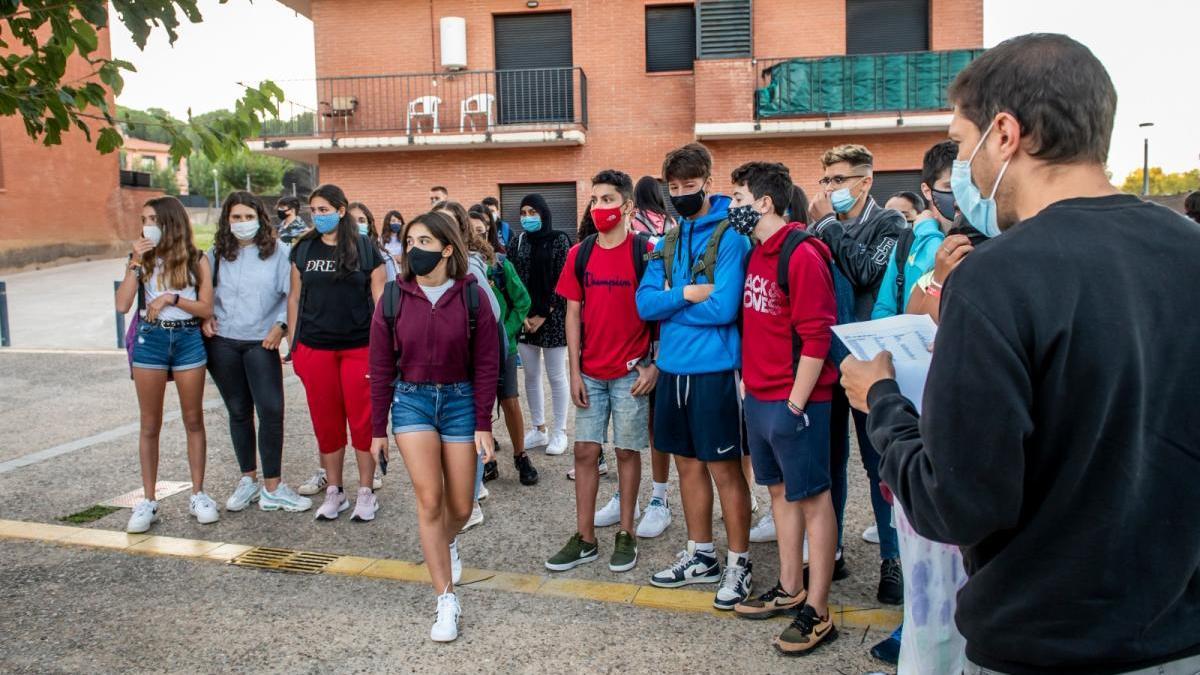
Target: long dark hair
<point>798,205</point>
<point>444,229</point>
<point>474,242</point>
<point>226,245</point>
<point>483,213</point>
<point>176,249</point>
<point>647,196</point>
<point>587,226</point>
<point>346,252</point>
<point>385,229</point>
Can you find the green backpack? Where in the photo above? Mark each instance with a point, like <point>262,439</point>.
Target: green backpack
<point>706,265</point>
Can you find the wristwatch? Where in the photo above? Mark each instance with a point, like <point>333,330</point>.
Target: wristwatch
<point>282,325</point>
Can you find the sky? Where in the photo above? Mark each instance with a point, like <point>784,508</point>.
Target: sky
<point>1149,47</point>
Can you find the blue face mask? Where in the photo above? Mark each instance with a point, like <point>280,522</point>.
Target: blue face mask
<point>326,222</point>
<point>363,228</point>
<point>979,212</point>
<point>842,200</point>
<point>531,223</point>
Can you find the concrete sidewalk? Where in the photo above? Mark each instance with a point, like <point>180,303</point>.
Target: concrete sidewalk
<point>67,307</point>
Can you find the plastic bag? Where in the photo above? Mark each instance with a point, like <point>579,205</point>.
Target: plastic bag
<point>933,573</point>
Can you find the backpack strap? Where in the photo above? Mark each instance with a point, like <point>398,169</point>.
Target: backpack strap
<point>666,254</point>
<point>903,247</point>
<point>790,243</point>
<point>641,242</point>
<point>301,262</point>
<point>708,262</point>
<point>581,259</point>
<point>393,304</point>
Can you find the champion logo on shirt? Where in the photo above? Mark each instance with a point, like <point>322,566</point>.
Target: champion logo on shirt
<point>592,281</point>
<point>762,295</point>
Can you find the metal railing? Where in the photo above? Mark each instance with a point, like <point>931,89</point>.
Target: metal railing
<point>5,332</point>
<point>859,83</point>
<point>450,102</point>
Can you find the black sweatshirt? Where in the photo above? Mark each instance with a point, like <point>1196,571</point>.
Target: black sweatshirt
<point>1059,444</point>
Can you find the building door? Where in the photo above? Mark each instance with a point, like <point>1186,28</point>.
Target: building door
<point>559,196</point>
<point>535,82</point>
<point>888,183</point>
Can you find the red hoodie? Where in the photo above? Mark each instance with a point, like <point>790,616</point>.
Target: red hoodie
<point>769,318</point>
<point>432,345</point>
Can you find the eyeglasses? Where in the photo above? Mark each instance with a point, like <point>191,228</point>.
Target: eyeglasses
<point>839,181</point>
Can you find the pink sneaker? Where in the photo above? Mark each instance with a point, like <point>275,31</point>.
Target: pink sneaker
<point>365,506</point>
<point>335,502</point>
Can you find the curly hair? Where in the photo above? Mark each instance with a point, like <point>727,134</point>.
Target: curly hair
<point>226,245</point>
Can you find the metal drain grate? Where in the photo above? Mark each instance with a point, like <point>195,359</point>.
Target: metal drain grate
<point>285,560</point>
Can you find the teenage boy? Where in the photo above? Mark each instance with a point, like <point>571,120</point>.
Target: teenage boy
<point>789,385</point>
<point>608,348</point>
<point>693,287</point>
<point>861,236</point>
<point>503,229</point>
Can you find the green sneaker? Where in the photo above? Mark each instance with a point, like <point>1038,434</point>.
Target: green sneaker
<point>624,555</point>
<point>574,554</point>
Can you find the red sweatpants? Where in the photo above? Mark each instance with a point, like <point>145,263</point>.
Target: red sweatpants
<point>338,392</point>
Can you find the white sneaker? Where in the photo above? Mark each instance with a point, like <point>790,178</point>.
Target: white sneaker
<point>315,485</point>
<point>610,513</point>
<point>204,508</point>
<point>536,439</point>
<point>656,520</point>
<point>764,529</point>
<point>145,513</point>
<point>455,562</point>
<point>871,535</point>
<point>365,506</point>
<point>753,503</point>
<point>284,498</point>
<point>557,444</point>
<point>335,502</point>
<point>243,495</point>
<point>483,492</point>
<point>736,585</point>
<point>377,481</point>
<point>475,519</point>
<point>445,629</point>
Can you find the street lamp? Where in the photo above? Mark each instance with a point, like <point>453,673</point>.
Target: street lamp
<point>1146,158</point>
<point>216,190</point>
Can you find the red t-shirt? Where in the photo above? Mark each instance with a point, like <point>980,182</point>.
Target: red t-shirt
<point>614,337</point>
<point>770,319</point>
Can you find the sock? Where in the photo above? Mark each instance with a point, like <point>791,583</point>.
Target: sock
<point>706,547</point>
<point>734,558</point>
<point>660,491</point>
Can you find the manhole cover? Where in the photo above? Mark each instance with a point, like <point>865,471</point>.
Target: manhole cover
<point>285,560</point>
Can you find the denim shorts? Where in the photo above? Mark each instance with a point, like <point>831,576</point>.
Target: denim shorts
<point>448,409</point>
<point>170,349</point>
<point>612,399</point>
<point>788,449</point>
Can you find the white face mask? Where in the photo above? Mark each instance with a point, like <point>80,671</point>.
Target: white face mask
<point>153,233</point>
<point>245,230</point>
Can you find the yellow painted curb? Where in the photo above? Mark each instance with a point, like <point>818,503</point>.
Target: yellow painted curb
<point>679,600</point>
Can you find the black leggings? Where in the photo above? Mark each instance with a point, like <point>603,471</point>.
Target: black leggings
<point>250,377</point>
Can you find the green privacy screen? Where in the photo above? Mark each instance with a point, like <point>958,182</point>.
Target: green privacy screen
<point>863,83</point>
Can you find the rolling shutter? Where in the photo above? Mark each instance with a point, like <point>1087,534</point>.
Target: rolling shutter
<point>536,50</point>
<point>887,26</point>
<point>670,38</point>
<point>888,183</point>
<point>560,197</point>
<point>723,29</point>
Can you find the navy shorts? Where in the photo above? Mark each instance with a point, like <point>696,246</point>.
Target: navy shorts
<point>448,409</point>
<point>699,416</point>
<point>788,449</point>
<point>169,349</point>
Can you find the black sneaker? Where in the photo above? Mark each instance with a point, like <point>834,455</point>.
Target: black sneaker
<point>807,632</point>
<point>891,583</point>
<point>490,471</point>
<point>691,567</point>
<point>840,570</point>
<point>528,474</point>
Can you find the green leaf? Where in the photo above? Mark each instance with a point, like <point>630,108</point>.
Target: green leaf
<point>85,36</point>
<point>108,141</point>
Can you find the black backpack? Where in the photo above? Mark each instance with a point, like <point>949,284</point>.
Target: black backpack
<point>903,247</point>
<point>641,242</point>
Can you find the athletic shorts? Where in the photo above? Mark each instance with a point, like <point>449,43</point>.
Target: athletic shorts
<point>787,448</point>
<point>699,416</point>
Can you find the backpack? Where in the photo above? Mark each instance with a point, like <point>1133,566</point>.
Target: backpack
<point>706,265</point>
<point>641,242</point>
<point>393,304</point>
<point>903,247</point>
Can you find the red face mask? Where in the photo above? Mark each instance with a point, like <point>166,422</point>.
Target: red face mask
<point>606,219</point>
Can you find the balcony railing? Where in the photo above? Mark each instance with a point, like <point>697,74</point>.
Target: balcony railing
<point>837,85</point>
<point>435,103</point>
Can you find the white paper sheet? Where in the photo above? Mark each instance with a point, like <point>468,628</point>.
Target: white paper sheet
<point>909,338</point>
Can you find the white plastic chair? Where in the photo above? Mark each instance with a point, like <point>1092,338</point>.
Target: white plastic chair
<point>479,104</point>
<point>424,106</point>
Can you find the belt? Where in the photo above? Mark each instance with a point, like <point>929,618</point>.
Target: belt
<point>182,323</point>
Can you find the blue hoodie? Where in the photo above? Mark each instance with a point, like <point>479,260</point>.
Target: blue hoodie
<point>702,337</point>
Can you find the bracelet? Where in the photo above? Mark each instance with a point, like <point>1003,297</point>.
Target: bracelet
<point>934,283</point>
<point>795,409</point>
<point>934,291</point>
<point>175,302</point>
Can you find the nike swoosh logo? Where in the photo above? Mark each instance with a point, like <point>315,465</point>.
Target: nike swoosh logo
<point>721,451</point>
<point>821,633</point>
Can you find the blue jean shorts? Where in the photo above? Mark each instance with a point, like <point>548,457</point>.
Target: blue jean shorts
<point>170,349</point>
<point>788,449</point>
<point>612,399</point>
<point>448,409</point>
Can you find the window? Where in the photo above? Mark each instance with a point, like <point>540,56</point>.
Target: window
<point>887,26</point>
<point>724,28</point>
<point>670,38</point>
<point>534,57</point>
<point>560,197</point>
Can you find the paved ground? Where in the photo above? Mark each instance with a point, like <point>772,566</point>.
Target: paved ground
<point>78,609</point>
<point>69,307</point>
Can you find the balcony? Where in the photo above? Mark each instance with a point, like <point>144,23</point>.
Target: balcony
<point>431,111</point>
<point>869,93</point>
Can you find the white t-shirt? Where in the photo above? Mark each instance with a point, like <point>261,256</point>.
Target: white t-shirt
<point>435,293</point>
<point>153,290</point>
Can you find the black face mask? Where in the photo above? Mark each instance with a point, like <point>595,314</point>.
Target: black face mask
<point>422,262</point>
<point>282,214</point>
<point>944,203</point>
<point>689,205</point>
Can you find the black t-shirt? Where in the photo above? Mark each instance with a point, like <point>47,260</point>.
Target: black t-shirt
<point>336,311</point>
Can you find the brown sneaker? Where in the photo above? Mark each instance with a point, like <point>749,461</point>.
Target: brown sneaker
<point>807,632</point>
<point>772,603</point>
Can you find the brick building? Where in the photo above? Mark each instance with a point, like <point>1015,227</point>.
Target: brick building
<point>566,87</point>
